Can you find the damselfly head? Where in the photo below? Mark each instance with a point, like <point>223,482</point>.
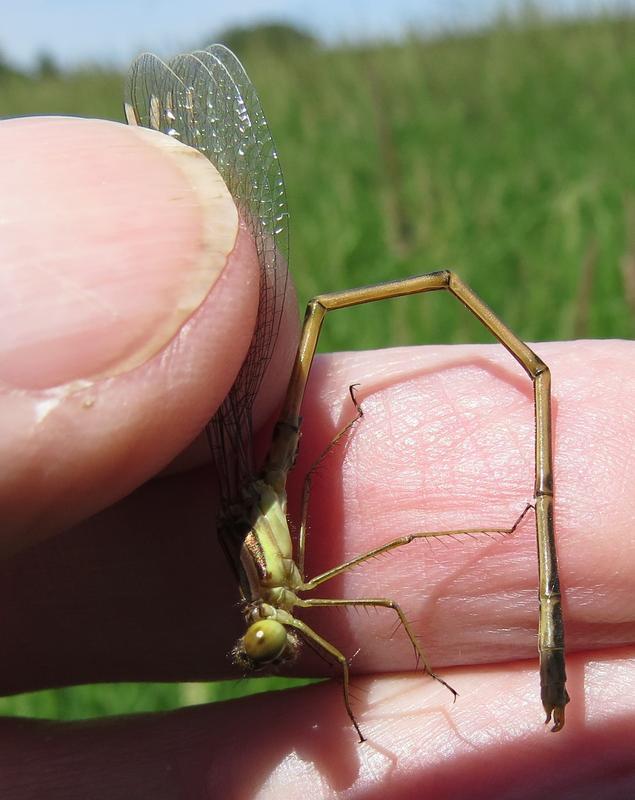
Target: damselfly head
<point>266,643</point>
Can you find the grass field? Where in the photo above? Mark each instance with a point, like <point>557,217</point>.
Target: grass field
<point>507,156</point>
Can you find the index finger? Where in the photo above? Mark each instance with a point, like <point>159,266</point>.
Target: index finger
<point>445,442</point>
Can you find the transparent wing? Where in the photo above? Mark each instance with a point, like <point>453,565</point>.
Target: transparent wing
<point>206,100</point>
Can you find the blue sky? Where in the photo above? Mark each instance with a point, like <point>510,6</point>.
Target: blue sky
<point>114,31</point>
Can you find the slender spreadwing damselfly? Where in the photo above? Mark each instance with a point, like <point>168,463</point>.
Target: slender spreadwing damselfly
<point>206,101</point>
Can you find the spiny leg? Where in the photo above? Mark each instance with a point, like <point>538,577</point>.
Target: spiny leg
<point>401,541</point>
<point>325,645</point>
<point>381,602</point>
<point>284,447</point>
<point>308,479</point>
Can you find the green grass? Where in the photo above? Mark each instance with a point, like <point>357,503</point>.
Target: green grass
<point>100,700</point>
<point>507,156</point>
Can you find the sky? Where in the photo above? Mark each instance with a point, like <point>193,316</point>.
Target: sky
<point>112,32</point>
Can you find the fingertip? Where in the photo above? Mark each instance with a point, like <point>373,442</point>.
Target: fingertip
<point>112,237</point>
<point>133,293</point>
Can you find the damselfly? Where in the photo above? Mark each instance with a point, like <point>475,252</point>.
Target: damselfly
<point>206,100</point>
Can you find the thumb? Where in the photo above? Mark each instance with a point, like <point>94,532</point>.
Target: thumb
<point>129,294</point>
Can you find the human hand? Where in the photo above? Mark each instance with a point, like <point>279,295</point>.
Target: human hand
<point>138,591</point>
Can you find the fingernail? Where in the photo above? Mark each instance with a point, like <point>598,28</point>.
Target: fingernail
<point>110,238</point>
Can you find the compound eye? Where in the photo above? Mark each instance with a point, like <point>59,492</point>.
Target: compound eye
<point>265,640</point>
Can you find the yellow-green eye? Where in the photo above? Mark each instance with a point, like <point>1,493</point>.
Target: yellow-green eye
<point>265,640</point>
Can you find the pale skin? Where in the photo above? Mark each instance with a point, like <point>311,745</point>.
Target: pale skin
<point>140,591</point>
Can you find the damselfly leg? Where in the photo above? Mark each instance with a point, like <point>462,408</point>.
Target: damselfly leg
<point>551,631</point>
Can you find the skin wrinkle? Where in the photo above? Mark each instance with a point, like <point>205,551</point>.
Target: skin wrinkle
<point>625,451</point>
<point>354,478</point>
<point>503,456</point>
<point>468,432</point>
<point>448,402</point>
<point>385,446</point>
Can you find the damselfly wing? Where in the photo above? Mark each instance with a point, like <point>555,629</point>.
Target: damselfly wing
<point>205,100</point>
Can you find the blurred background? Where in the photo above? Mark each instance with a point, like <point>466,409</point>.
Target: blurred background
<point>495,138</point>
